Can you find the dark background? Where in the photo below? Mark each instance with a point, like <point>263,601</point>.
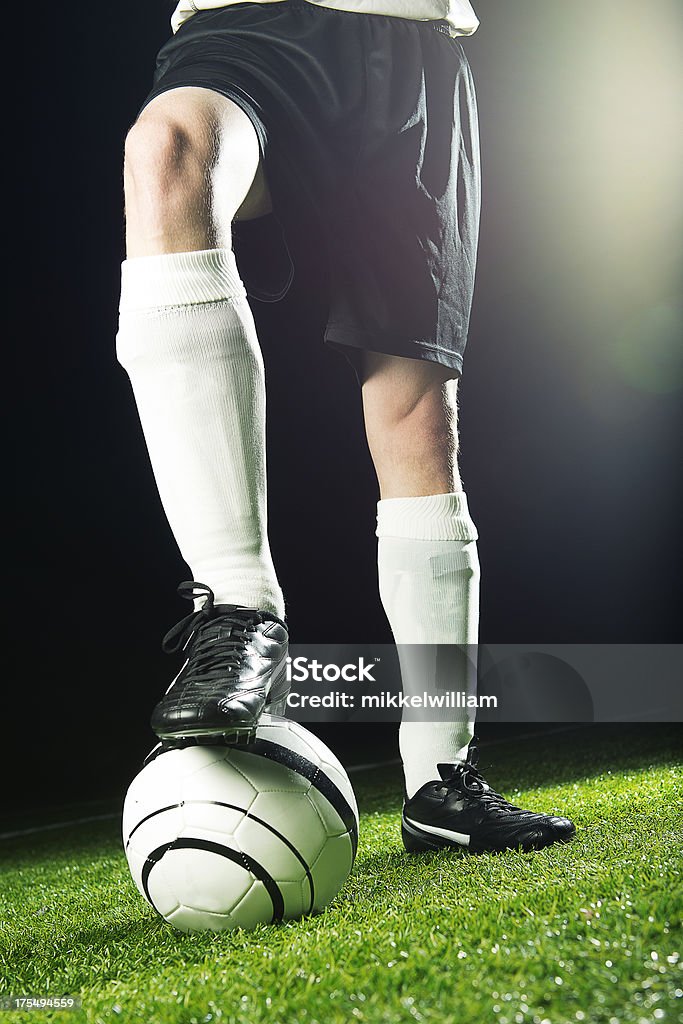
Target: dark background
<point>570,402</point>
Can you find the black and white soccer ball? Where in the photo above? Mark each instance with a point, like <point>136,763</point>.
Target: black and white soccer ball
<point>221,837</point>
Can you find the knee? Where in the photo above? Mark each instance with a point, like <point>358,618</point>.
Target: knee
<point>165,160</point>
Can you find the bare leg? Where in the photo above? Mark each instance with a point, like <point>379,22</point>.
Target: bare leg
<point>410,409</point>
<point>192,166</point>
<point>427,557</point>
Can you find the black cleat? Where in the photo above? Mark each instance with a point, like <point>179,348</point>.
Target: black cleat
<point>462,811</point>
<point>235,669</point>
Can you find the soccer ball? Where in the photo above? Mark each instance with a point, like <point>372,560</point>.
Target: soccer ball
<point>221,837</point>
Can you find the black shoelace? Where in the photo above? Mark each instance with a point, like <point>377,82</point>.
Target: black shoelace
<point>220,635</point>
<point>466,780</point>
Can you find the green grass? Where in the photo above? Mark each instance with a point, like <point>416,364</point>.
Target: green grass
<point>589,931</point>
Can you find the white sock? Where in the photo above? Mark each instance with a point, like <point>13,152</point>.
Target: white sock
<point>188,342</point>
<point>429,586</point>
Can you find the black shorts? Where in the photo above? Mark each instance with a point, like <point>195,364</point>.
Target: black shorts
<point>368,124</point>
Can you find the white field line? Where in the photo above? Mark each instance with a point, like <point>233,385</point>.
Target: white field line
<point>59,824</point>
<point>351,769</point>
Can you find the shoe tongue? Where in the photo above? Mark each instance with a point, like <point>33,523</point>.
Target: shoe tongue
<point>448,770</point>
<point>237,613</point>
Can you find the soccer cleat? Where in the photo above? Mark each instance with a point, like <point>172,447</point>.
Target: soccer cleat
<point>461,811</point>
<point>235,669</point>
